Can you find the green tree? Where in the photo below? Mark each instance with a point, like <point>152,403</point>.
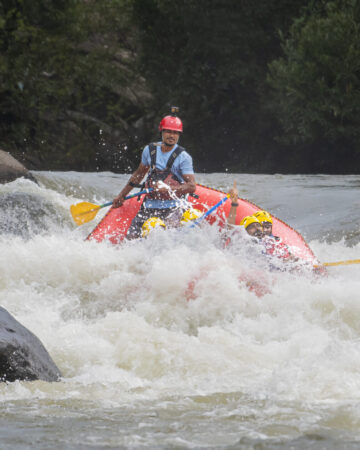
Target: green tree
<point>65,74</point>
<point>317,82</point>
<point>211,58</point>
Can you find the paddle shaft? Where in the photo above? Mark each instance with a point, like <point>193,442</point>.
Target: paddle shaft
<point>212,209</point>
<point>146,191</point>
<point>340,263</point>
<point>137,194</point>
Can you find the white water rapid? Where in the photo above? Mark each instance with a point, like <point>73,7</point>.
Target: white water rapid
<point>144,367</point>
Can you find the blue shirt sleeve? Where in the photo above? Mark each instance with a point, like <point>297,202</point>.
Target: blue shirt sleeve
<point>145,157</point>
<point>186,164</point>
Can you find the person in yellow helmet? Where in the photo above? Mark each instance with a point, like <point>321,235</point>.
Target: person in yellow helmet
<point>189,215</point>
<point>151,224</point>
<point>273,244</point>
<point>253,226</point>
<point>262,220</point>
<point>266,221</point>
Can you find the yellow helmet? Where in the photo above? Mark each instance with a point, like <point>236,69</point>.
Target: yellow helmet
<point>190,214</point>
<point>263,216</point>
<point>248,220</point>
<point>151,224</point>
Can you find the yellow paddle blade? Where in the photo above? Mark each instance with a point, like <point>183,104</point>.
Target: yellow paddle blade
<point>84,212</point>
<point>340,263</point>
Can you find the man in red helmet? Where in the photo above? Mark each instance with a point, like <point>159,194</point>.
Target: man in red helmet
<point>170,175</point>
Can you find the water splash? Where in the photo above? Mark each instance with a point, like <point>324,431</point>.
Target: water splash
<point>119,323</point>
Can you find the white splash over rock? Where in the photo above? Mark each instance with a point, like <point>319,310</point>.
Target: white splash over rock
<point>11,168</point>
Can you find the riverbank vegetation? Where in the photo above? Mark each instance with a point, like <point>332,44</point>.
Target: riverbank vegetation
<point>265,86</point>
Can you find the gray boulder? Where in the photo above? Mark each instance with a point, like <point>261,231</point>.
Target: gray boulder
<point>22,355</point>
<point>11,168</point>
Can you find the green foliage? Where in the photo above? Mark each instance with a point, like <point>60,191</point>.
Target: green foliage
<point>83,83</point>
<point>317,82</point>
<point>210,58</point>
<point>61,73</point>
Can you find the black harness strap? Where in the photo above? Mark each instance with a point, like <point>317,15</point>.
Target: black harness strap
<point>152,149</point>
<point>173,156</point>
<point>171,160</point>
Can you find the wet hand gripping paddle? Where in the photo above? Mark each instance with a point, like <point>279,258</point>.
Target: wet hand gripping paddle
<point>85,211</point>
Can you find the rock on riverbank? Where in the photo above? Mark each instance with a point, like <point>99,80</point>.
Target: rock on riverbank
<point>11,169</point>
<point>22,355</point>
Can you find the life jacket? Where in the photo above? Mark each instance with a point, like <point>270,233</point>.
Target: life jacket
<point>166,175</point>
<point>275,247</point>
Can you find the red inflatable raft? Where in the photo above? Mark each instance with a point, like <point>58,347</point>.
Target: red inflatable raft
<point>114,226</point>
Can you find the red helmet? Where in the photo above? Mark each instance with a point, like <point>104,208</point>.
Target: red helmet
<point>171,123</point>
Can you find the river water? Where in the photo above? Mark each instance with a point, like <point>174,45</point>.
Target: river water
<point>143,367</point>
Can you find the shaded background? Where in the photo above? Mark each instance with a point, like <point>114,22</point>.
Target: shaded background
<point>266,86</point>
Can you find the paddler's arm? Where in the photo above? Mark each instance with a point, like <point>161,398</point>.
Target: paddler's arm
<point>234,195</point>
<point>188,187</point>
<point>135,178</point>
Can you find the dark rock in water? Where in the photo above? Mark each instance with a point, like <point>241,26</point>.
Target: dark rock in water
<point>22,355</point>
<point>11,169</point>
<point>26,215</point>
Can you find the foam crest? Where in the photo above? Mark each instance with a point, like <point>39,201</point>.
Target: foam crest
<point>125,312</point>
<point>178,319</point>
